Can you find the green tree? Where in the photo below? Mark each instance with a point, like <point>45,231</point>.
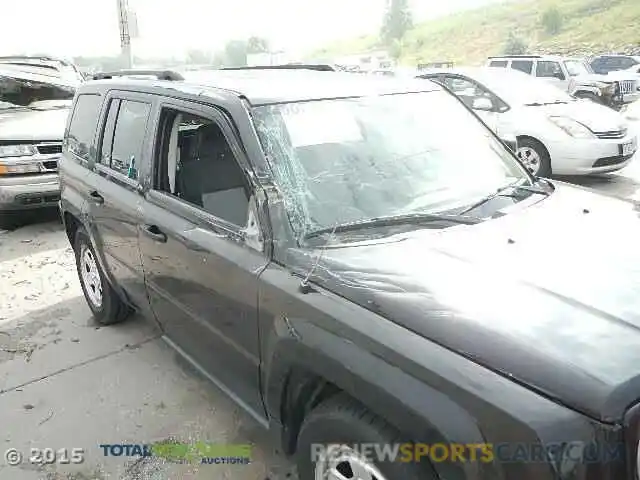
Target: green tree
<point>395,49</point>
<point>257,45</point>
<point>552,20</point>
<point>235,53</point>
<point>397,21</point>
<point>515,45</point>
<point>198,57</point>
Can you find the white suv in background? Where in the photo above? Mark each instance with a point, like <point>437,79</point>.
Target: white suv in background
<point>575,76</point>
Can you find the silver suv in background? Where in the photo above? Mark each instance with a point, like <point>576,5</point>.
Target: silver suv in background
<point>576,77</point>
<point>44,65</point>
<point>33,113</point>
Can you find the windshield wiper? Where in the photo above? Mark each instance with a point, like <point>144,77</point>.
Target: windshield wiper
<point>510,190</point>
<point>409,218</point>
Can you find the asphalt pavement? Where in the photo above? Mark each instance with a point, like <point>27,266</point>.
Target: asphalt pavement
<point>67,383</point>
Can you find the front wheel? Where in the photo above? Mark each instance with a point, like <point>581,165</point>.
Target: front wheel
<point>534,157</point>
<point>589,96</point>
<point>333,439</point>
<point>104,302</point>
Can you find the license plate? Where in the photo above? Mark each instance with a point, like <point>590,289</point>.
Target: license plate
<point>627,149</point>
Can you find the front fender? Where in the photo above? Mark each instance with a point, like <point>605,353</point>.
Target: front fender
<point>585,89</point>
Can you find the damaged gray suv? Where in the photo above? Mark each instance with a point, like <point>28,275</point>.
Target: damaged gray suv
<point>365,268</point>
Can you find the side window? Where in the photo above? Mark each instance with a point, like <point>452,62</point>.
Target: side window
<point>523,65</point>
<point>83,125</point>
<point>626,62</point>
<point>122,145</point>
<point>498,63</point>
<point>197,165</point>
<point>547,69</point>
<point>473,95</point>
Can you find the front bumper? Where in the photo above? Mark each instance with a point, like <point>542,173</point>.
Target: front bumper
<point>23,192</point>
<point>583,157</point>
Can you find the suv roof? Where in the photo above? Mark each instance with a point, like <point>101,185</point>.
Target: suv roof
<point>262,86</point>
<point>34,76</point>
<point>556,58</point>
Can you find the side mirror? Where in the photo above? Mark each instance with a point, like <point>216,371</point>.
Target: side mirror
<point>559,75</point>
<point>483,104</point>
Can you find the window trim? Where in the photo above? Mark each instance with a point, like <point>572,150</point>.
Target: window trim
<point>98,123</point>
<point>457,76</point>
<point>122,95</point>
<point>179,206</point>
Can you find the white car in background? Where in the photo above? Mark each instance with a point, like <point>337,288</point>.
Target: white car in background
<point>556,133</point>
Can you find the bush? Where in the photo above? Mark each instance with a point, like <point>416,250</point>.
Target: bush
<point>552,21</point>
<point>515,45</point>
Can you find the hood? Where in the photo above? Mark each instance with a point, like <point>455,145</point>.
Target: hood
<point>591,78</point>
<point>33,125</point>
<point>597,118</point>
<point>548,295</point>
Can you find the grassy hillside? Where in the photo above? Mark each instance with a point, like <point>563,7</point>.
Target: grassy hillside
<point>588,26</point>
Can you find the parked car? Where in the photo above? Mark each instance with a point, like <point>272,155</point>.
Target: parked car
<point>575,76</point>
<point>605,64</point>
<point>354,272</point>
<point>556,133</point>
<point>33,111</point>
<point>42,65</point>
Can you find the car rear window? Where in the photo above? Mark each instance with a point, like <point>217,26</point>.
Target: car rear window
<point>83,125</point>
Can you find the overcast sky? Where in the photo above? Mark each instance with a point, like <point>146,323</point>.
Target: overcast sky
<point>170,27</point>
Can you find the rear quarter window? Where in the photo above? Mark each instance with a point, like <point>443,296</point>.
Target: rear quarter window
<point>82,128</point>
<point>498,63</point>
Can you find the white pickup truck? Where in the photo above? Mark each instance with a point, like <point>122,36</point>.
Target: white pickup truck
<point>575,76</point>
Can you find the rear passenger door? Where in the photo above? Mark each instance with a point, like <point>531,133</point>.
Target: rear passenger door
<point>202,250</point>
<point>115,201</point>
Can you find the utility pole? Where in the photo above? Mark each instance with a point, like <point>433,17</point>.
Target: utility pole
<point>125,37</point>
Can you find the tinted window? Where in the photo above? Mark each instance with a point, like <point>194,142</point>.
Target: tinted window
<point>522,65</point>
<point>546,69</point>
<point>627,62</point>
<point>198,166</point>
<point>498,63</point>
<point>83,125</point>
<point>128,136</point>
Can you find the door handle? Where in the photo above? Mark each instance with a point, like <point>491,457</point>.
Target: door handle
<point>154,233</point>
<point>96,197</point>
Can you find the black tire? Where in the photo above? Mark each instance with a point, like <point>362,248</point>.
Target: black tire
<point>589,96</point>
<point>343,421</point>
<point>111,309</point>
<point>9,220</point>
<point>544,170</point>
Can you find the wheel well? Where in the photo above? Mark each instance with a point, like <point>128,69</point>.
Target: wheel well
<point>71,225</point>
<point>533,139</point>
<point>303,391</point>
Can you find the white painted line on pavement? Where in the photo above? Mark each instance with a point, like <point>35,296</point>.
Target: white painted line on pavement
<point>36,281</point>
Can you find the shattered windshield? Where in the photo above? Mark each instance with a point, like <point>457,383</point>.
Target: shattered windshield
<point>341,161</point>
<point>22,93</point>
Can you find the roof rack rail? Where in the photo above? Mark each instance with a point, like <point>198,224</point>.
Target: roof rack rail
<point>287,66</point>
<point>159,74</point>
<point>516,56</point>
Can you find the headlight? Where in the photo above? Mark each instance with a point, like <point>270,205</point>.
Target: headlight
<point>16,150</point>
<point>571,127</point>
